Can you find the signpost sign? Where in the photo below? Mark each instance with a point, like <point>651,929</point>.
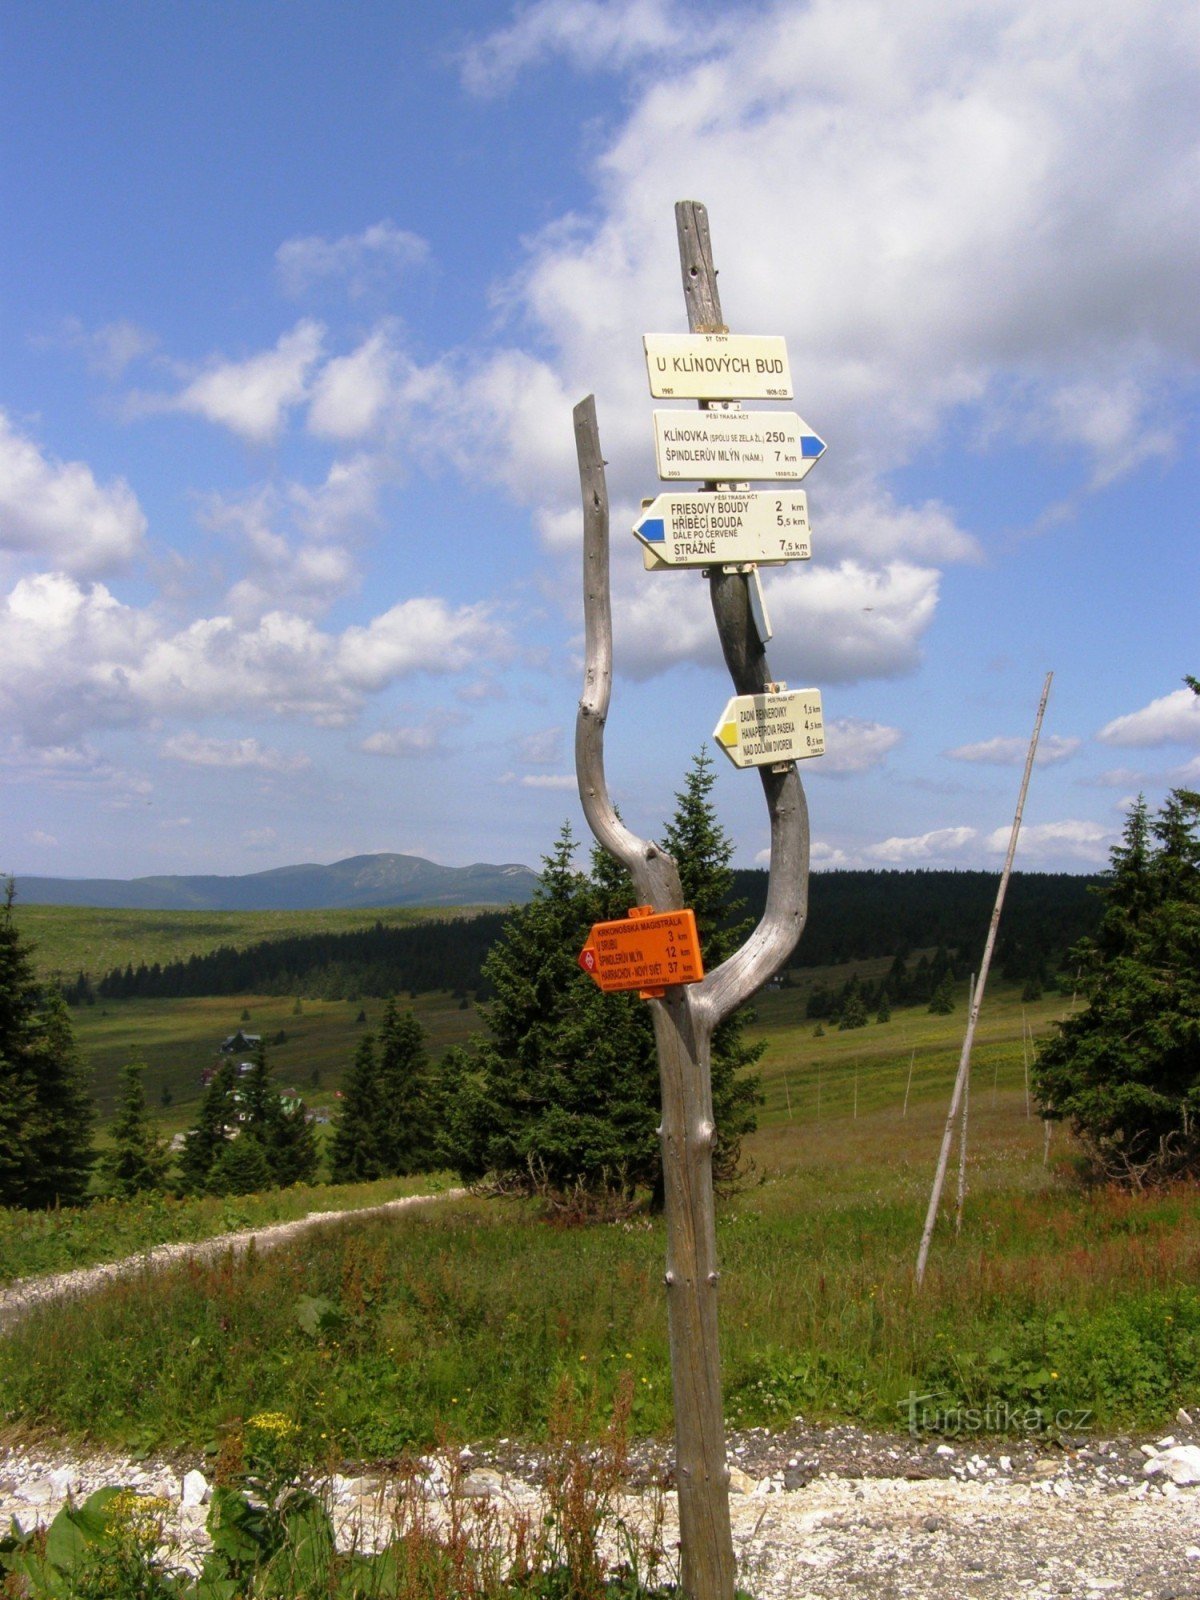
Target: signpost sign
<point>717,366</point>
<point>762,730</point>
<point>646,951</point>
<point>728,446</point>
<point>707,530</point>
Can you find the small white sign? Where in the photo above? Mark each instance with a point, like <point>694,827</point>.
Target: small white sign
<point>764,730</point>
<point>729,446</point>
<point>724,529</point>
<point>718,366</point>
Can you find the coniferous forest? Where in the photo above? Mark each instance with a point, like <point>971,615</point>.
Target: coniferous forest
<point>853,916</point>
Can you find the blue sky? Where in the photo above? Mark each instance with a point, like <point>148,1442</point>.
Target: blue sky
<point>297,298</point>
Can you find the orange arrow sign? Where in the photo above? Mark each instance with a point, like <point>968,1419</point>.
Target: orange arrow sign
<point>649,951</point>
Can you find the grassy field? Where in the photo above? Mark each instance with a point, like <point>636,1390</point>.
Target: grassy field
<point>1079,1306</point>
<point>70,939</point>
<point>177,1039</point>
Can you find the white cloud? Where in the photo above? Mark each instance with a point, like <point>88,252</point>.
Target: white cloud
<point>588,33</point>
<point>376,256</point>
<point>351,392</point>
<point>1011,750</point>
<point>231,754</point>
<point>108,350</point>
<point>72,658</point>
<point>542,780</point>
<point>934,845</point>
<point>1074,839</point>
<point>853,746</point>
<point>951,238</point>
<point>250,397</point>
<point>833,624</point>
<point>402,742</point>
<point>39,837</point>
<point>542,747</point>
<point>1172,719</point>
<point>58,513</point>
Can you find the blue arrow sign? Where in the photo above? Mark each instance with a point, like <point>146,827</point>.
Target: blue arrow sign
<point>651,528</point>
<point>811,447</point>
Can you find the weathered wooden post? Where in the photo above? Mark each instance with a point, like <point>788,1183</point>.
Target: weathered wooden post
<point>765,733</point>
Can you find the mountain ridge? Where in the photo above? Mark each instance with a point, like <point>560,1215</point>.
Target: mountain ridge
<point>383,879</point>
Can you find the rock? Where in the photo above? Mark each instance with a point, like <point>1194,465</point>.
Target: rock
<point>38,1493</point>
<point>944,1450</point>
<point>482,1483</point>
<point>1148,1449</point>
<point>1192,1553</point>
<point>1168,1443</point>
<point>62,1481</point>
<point>1184,1418</point>
<point>1180,1463</point>
<point>931,1524</point>
<point>740,1482</point>
<point>196,1491</point>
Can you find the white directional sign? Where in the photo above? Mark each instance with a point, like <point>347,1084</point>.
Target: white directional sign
<point>762,730</point>
<point>717,366</point>
<point>708,530</point>
<point>728,446</point>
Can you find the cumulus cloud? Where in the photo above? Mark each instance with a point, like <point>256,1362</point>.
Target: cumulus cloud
<point>934,845</point>
<point>1011,750</point>
<point>351,393</point>
<point>1073,839</point>
<point>589,33</point>
<point>231,754</point>
<point>1172,719</point>
<point>250,397</point>
<point>853,746</point>
<point>374,257</point>
<point>72,658</point>
<point>56,512</point>
<point>959,179</point>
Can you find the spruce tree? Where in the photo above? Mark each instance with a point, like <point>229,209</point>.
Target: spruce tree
<point>137,1161</point>
<point>214,1125</point>
<point>354,1155</point>
<point>1126,1070</point>
<point>402,1129</point>
<point>563,1095</point>
<point>46,1111</point>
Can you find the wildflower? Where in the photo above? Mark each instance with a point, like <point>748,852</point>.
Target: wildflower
<point>272,1422</point>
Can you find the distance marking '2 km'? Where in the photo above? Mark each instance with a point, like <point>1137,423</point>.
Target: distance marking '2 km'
<point>764,730</point>
<point>728,446</point>
<point>648,951</point>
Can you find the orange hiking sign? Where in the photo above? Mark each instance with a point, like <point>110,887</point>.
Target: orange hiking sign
<point>649,951</point>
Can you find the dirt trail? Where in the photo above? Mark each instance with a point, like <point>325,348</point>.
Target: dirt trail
<point>23,1294</point>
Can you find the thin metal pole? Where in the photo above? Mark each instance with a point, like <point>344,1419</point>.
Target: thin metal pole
<point>964,1060</point>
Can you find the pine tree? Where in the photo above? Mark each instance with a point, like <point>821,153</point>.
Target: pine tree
<point>137,1161</point>
<point>1126,1070</point>
<point>46,1112</point>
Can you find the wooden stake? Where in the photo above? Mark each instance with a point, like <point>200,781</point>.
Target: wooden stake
<point>962,1132</point>
<point>1025,1059</point>
<point>939,1176</point>
<point>908,1085</point>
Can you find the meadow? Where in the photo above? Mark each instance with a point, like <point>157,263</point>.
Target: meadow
<point>72,939</point>
<point>1076,1310</point>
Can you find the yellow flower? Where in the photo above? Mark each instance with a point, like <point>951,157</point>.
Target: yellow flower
<point>272,1422</point>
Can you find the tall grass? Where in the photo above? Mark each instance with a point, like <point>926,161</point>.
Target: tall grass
<point>375,1337</point>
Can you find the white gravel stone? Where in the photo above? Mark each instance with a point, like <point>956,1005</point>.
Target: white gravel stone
<point>196,1491</point>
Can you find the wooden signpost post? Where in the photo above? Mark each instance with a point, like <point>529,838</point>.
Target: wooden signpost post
<point>723,447</point>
